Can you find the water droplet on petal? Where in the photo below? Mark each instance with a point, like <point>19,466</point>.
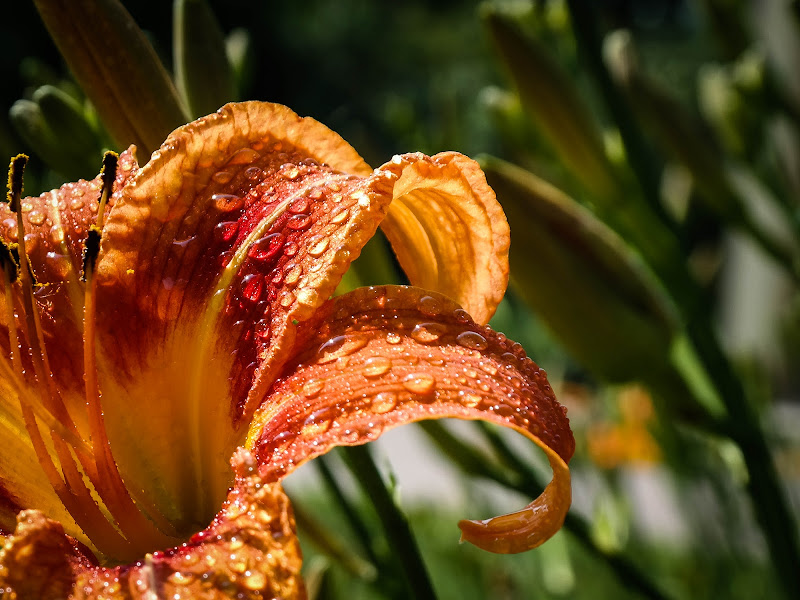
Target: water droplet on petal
<point>317,422</point>
<point>319,247</point>
<point>266,247</point>
<point>227,202</point>
<point>298,222</point>
<point>293,273</point>
<point>26,207</point>
<point>244,157</point>
<point>425,333</point>
<point>472,340</point>
<point>287,299</point>
<point>375,366</point>
<point>428,305</point>
<point>470,400</point>
<point>252,173</point>
<point>340,216</point>
<point>383,402</point>
<point>76,204</point>
<point>222,177</point>
<point>313,387</point>
<point>57,234</point>
<point>299,206</point>
<point>252,287</point>
<point>227,230</point>
<point>419,383</point>
<point>393,338</point>
<point>36,217</point>
<point>341,345</point>
<point>291,173</point>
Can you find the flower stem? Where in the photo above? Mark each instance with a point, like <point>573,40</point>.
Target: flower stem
<point>395,525</point>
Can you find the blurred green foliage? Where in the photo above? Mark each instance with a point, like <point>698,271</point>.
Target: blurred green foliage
<point>648,157</point>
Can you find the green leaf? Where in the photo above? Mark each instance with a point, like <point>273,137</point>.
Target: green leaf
<point>117,68</point>
<point>551,100</point>
<point>581,279</point>
<point>203,73</point>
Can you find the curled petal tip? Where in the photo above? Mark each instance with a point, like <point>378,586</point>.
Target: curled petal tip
<point>529,527</point>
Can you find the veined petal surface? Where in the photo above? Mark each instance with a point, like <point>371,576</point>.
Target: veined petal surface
<point>384,356</point>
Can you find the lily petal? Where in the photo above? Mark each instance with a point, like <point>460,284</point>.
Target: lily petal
<point>249,551</point>
<point>232,234</point>
<point>384,356</point>
<point>443,222</point>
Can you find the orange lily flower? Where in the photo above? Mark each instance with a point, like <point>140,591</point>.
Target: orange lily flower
<point>183,324</point>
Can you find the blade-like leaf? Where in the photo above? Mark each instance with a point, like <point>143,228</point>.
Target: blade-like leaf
<point>117,68</point>
<point>202,71</point>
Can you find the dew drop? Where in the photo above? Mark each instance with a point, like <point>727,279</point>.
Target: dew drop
<point>298,222</point>
<point>293,273</point>
<point>375,366</point>
<point>227,202</point>
<point>462,316</point>
<point>26,207</point>
<point>252,173</point>
<point>340,216</point>
<point>383,402</point>
<point>317,422</point>
<point>471,400</point>
<point>222,177</point>
<point>393,338</point>
<point>291,173</point>
<point>425,333</point>
<point>227,230</point>
<point>299,206</point>
<point>287,299</point>
<point>313,387</point>
<point>291,249</point>
<point>341,345</point>
<point>472,340</point>
<point>263,329</point>
<point>428,305</point>
<point>57,234</point>
<point>319,248</point>
<point>36,217</point>
<point>76,203</point>
<point>253,287</point>
<point>266,247</point>
<point>244,157</point>
<point>419,383</point>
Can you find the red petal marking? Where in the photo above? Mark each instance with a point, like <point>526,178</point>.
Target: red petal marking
<point>250,550</point>
<point>384,356</point>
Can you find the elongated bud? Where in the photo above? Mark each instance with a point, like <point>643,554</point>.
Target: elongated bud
<point>581,279</point>
<point>553,103</point>
<point>117,68</point>
<point>203,73</point>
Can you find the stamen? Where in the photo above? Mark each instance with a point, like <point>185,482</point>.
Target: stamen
<point>139,530</point>
<point>123,531</point>
<point>50,396</point>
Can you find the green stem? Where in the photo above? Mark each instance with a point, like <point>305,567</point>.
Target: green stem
<point>395,525</point>
<point>474,463</point>
<point>769,500</point>
<point>356,523</point>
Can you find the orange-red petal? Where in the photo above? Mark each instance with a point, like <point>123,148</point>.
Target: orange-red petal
<point>249,551</point>
<point>379,357</point>
<point>448,230</point>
